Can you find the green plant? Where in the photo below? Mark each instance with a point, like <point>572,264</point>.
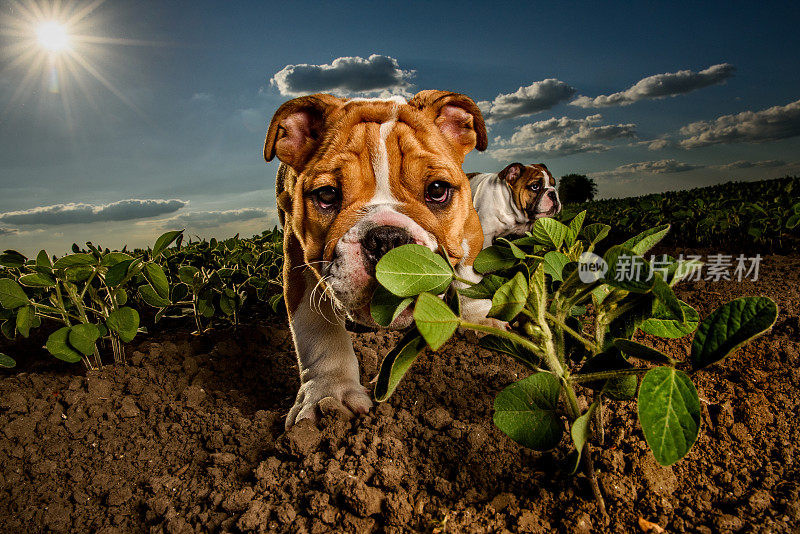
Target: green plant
<point>98,296</point>
<point>573,327</point>
<point>86,292</point>
<point>763,214</point>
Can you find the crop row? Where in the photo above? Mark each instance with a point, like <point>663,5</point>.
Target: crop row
<point>763,215</point>
<point>95,298</point>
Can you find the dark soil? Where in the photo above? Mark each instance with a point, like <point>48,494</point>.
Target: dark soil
<point>189,438</point>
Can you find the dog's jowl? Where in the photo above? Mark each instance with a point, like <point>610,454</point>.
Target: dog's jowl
<point>359,177</point>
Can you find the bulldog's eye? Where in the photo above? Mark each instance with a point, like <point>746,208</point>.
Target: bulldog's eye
<point>326,197</point>
<point>535,187</point>
<point>438,192</point>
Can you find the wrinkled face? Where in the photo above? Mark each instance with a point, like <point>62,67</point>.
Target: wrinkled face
<point>533,189</point>
<point>385,176</point>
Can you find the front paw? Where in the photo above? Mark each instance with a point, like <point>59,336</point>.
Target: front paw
<point>351,394</point>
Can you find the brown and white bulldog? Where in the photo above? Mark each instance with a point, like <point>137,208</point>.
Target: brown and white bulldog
<point>359,177</point>
<point>510,201</point>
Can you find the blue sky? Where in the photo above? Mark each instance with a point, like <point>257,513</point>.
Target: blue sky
<point>164,129</point>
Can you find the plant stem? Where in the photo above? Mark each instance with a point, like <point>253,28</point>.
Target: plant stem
<point>552,363</point>
<point>590,473</point>
<point>88,282</point>
<point>561,324</point>
<point>463,280</point>
<point>605,375</point>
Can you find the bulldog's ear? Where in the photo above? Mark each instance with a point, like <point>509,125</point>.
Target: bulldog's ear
<point>511,173</point>
<point>297,129</point>
<point>456,115</point>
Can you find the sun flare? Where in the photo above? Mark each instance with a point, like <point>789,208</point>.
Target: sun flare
<point>52,36</point>
<point>60,46</point>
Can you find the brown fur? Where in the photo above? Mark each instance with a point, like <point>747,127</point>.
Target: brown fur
<point>520,182</point>
<point>333,146</point>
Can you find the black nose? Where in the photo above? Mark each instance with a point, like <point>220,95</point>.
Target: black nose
<point>553,195</point>
<point>380,240</point>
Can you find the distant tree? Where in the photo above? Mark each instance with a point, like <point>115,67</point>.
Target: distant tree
<point>576,188</point>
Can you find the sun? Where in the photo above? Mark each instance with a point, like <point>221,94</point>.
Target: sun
<point>52,36</point>
<point>59,45</point>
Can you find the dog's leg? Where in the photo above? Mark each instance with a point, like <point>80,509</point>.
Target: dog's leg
<point>325,356</point>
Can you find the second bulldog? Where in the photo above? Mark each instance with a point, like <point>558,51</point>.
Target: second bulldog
<point>359,177</point>
<point>510,201</point>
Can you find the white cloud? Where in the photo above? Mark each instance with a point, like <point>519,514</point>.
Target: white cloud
<point>536,131</point>
<point>743,164</point>
<point>202,97</point>
<point>8,231</point>
<point>560,137</point>
<point>212,219</point>
<point>660,86</point>
<point>552,148</point>
<point>664,166</point>
<point>536,97</point>
<point>777,122</point>
<point>658,144</point>
<point>77,213</point>
<point>344,76</point>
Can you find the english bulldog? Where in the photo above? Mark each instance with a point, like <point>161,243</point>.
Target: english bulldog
<point>357,178</point>
<point>510,201</point>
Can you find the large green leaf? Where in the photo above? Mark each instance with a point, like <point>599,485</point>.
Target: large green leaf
<point>74,259</point>
<point>409,270</point>
<point>549,232</point>
<point>155,276</point>
<point>575,227</point>
<point>113,258</point>
<point>6,361</point>
<point>494,258</point>
<point>666,296</point>
<point>11,294</point>
<point>729,326</point>
<point>647,239</point>
<point>506,346</point>
<point>37,280</point>
<point>43,260</point>
<point>627,270</point>
<point>397,363</point>
<point>125,322</point>
<point>669,412</point>
<point>619,388</point>
<point>152,298</point>
<point>484,289</point>
<point>510,298</point>
<point>554,263</point>
<point>434,319</point>
<point>186,274</point>
<point>633,349</point>
<point>386,306</point>
<point>580,432</point>
<point>526,411</point>
<point>58,346</point>
<point>661,324</point>
<point>83,337</point>
<point>117,273</point>
<point>595,232</point>
<point>164,241</point>
<point>26,317</point>
<point>179,292</point>
<point>12,259</point>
